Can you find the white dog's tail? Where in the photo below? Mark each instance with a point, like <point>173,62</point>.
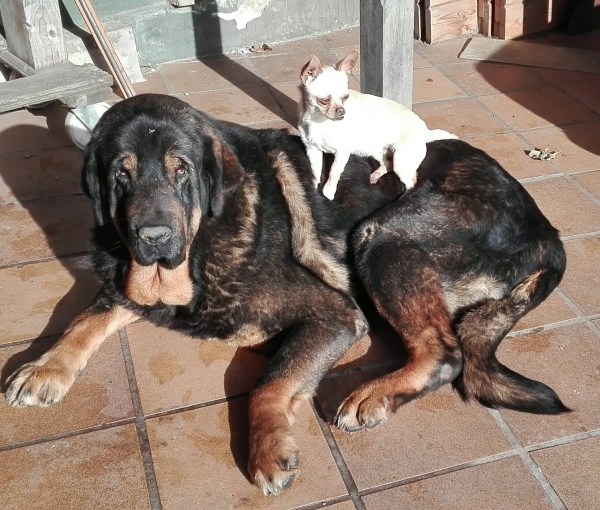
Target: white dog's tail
<point>440,134</point>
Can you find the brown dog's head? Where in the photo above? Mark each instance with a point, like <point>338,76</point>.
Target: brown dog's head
<point>154,168</point>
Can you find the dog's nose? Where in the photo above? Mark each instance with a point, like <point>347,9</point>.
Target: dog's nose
<point>154,235</point>
<point>340,112</point>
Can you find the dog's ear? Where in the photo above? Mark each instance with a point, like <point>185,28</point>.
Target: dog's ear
<point>224,170</point>
<point>311,69</point>
<point>90,184</point>
<point>348,63</point>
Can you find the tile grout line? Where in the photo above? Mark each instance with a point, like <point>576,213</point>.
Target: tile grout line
<point>343,469</point>
<point>530,464</point>
<point>587,320</point>
<point>322,504</point>
<point>440,472</point>
<point>47,259</point>
<point>66,435</point>
<point>167,83</point>
<point>562,441</point>
<point>140,425</point>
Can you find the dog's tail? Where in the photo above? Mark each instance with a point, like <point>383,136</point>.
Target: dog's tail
<point>440,134</point>
<point>480,332</point>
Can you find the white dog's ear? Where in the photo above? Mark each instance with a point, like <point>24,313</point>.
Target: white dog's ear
<point>348,63</point>
<point>311,68</point>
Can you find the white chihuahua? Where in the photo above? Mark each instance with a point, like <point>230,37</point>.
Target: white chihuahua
<point>337,120</point>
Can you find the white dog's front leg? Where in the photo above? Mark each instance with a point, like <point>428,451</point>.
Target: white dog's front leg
<point>315,156</point>
<point>341,158</point>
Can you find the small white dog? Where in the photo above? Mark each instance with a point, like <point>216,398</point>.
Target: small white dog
<point>337,120</point>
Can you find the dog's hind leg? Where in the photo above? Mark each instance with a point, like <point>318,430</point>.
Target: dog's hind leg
<point>409,153</point>
<point>46,381</point>
<point>481,330</point>
<point>408,294</point>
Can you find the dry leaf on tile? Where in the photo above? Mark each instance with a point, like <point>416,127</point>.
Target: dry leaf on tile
<point>263,48</point>
<point>543,155</point>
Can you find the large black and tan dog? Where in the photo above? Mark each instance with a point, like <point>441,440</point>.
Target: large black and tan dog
<point>218,231</point>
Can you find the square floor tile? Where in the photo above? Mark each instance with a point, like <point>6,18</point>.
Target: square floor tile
<point>582,278</point>
<point>591,182</point>
<point>423,436</point>
<point>566,359</point>
<point>527,109</point>
<point>419,62</point>
<point>475,488</point>
<point>488,77</point>
<point>510,151</point>
<point>431,85</point>
<point>286,68</point>
<point>562,77</point>
<point>45,228</point>
<point>40,174</point>
<point>210,74</point>
<point>573,470</point>
<point>579,214</point>
<point>442,53</point>
<point>551,311</point>
<point>462,117</point>
<point>586,92</point>
<point>577,143</point>
<point>200,460</point>
<point>99,470</point>
<point>288,96</point>
<point>25,130</point>
<point>43,298</point>
<point>341,38</point>
<point>253,104</point>
<point>100,396</point>
<point>173,370</point>
<point>154,84</point>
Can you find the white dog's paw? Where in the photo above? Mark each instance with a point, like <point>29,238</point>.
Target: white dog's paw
<point>40,383</point>
<point>329,191</point>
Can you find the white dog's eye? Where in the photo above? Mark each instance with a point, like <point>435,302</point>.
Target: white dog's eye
<point>325,101</point>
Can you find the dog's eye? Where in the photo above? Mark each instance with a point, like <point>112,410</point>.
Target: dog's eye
<point>181,171</point>
<point>325,101</point>
<point>121,173</point>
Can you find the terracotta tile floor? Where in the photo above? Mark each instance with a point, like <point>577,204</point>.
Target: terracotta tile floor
<point>158,420</point>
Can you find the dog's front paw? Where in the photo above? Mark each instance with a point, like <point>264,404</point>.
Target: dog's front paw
<point>40,383</point>
<point>274,460</point>
<point>361,410</point>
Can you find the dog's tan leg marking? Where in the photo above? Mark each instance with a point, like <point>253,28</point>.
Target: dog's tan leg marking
<point>46,381</point>
<point>274,453</point>
<point>305,241</point>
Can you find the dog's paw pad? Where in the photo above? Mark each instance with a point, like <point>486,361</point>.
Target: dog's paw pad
<point>39,384</point>
<point>274,462</point>
<point>355,413</point>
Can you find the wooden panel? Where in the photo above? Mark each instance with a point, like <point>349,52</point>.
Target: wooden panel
<point>60,81</point>
<point>386,49</point>
<point>531,54</point>
<point>450,19</point>
<point>33,30</point>
<point>485,16</point>
<point>525,17</point>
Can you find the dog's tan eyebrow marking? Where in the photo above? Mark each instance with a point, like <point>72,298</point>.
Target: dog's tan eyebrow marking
<point>129,163</point>
<point>172,162</point>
